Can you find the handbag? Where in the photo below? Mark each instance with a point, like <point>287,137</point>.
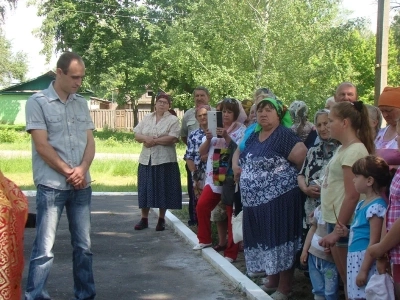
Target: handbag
<point>380,287</point>
<point>237,227</point>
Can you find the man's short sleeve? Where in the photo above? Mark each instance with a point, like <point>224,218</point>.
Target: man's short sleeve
<point>34,115</point>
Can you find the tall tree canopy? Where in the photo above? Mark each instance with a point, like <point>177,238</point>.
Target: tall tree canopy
<point>300,48</point>
<point>4,4</point>
<point>12,66</point>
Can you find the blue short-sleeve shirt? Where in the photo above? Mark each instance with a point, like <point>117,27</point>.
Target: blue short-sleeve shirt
<point>66,125</point>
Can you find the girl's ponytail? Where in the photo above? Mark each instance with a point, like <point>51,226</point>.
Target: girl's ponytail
<point>358,115</point>
<point>365,132</point>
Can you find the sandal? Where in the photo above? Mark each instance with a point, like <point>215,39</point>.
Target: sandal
<point>268,290</point>
<point>143,223</point>
<point>279,296</point>
<point>160,225</point>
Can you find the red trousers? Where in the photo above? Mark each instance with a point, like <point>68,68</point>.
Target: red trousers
<point>207,202</point>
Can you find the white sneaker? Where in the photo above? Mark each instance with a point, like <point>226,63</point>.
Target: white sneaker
<point>229,259</point>
<point>201,246</point>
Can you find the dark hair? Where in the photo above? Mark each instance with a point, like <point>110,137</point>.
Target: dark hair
<point>65,60</point>
<point>172,112</point>
<point>358,115</point>
<point>164,96</point>
<point>202,88</point>
<point>375,167</point>
<point>232,105</point>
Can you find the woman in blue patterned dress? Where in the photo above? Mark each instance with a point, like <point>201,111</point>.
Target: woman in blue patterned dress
<point>272,209</point>
<point>195,163</point>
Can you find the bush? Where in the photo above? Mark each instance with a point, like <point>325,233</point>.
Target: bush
<point>13,127</point>
<point>9,136</point>
<point>111,142</point>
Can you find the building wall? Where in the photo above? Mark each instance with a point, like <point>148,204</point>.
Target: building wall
<point>12,107</point>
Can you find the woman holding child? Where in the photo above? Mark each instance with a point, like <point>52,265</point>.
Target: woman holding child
<point>269,162</point>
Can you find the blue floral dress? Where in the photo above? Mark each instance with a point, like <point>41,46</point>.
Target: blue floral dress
<point>272,206</point>
<point>193,144</point>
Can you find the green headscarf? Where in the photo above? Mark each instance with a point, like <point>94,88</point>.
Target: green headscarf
<point>282,111</point>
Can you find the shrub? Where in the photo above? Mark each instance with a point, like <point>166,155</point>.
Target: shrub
<point>111,142</point>
<point>9,136</point>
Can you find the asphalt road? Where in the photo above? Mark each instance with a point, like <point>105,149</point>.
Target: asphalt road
<point>131,264</point>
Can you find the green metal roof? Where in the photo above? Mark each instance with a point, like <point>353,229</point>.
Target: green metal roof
<point>35,85</point>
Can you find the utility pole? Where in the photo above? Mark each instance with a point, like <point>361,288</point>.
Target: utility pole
<point>382,44</point>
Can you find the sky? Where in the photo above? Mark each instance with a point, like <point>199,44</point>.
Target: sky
<point>21,22</point>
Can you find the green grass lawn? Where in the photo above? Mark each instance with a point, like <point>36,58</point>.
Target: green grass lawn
<point>110,175</point>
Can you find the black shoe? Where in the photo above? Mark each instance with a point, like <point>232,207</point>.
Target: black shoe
<point>143,223</point>
<point>31,221</point>
<point>160,225</point>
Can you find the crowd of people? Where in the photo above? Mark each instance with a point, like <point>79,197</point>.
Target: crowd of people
<point>322,191</point>
<point>310,189</point>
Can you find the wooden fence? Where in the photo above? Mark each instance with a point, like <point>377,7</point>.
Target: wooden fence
<point>121,119</point>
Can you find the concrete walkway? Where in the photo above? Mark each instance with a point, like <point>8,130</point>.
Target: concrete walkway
<point>145,264</point>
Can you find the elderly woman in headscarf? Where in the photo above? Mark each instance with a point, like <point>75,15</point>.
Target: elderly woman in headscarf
<point>268,165</point>
<point>317,158</point>
<point>301,126</point>
<point>13,216</point>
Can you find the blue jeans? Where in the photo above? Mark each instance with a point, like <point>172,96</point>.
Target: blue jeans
<point>49,206</point>
<point>324,278</point>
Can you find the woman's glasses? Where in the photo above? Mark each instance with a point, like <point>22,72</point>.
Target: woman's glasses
<point>162,102</point>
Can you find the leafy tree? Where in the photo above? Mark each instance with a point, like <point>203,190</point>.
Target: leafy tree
<point>12,66</point>
<point>302,49</point>
<point>114,39</point>
<point>3,6</point>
